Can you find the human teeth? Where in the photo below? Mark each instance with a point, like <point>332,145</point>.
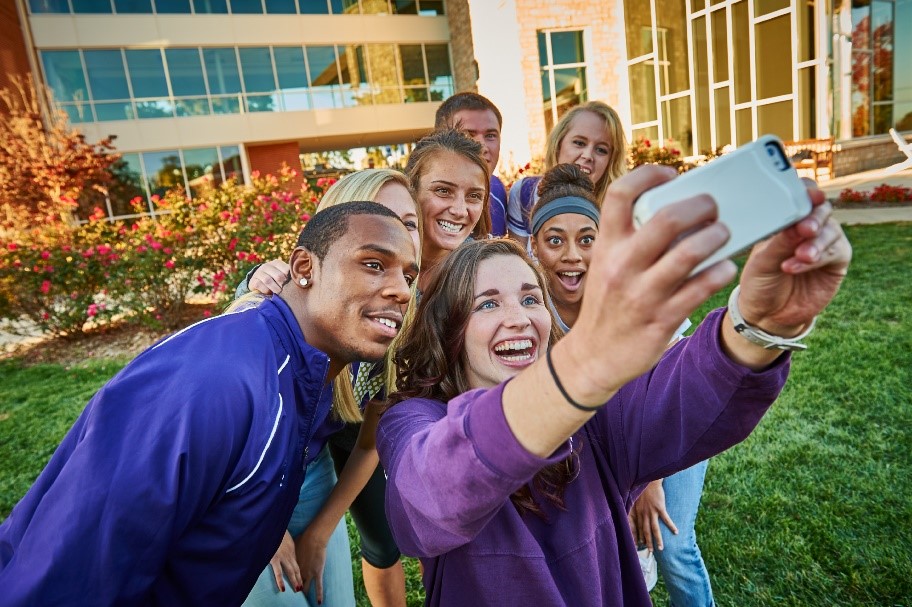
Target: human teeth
<point>571,273</point>
<point>386,321</point>
<point>585,170</point>
<point>449,227</point>
<point>518,344</point>
<point>517,357</point>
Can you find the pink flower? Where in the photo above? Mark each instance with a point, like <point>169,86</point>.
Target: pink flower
<point>207,313</point>
<point>12,246</point>
<point>93,310</point>
<point>45,286</point>
<point>169,264</point>
<point>232,244</point>
<point>141,248</point>
<point>166,250</point>
<point>156,245</point>
<point>103,249</point>
<point>45,255</point>
<point>45,316</point>
<point>305,217</point>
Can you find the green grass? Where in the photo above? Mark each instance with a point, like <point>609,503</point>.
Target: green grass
<point>815,508</point>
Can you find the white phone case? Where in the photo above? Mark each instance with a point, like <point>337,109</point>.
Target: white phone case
<point>757,190</point>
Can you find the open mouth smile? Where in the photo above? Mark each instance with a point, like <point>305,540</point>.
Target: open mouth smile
<point>571,280</point>
<point>516,352</point>
<point>449,227</point>
<point>387,324</point>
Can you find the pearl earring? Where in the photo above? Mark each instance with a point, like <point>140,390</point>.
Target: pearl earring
<point>303,282</point>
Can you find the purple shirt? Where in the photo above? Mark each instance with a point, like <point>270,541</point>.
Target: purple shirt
<point>498,206</point>
<point>452,467</point>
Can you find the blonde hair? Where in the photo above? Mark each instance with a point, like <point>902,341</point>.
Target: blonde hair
<point>365,185</point>
<point>617,162</point>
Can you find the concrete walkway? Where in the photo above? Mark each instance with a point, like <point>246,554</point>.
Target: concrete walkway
<point>884,215</point>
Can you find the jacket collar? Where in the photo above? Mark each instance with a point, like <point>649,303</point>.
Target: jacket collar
<point>308,364</point>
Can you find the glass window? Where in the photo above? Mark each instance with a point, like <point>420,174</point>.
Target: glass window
<point>231,160</point>
<point>147,73</point>
<point>567,47</point>
<point>776,118</point>
<point>214,7</point>
<point>203,169</point>
<point>744,129</point>
<point>256,65</point>
<point>106,74</point>
<point>676,120</point>
<point>127,184</point>
<point>720,46</point>
<point>431,7</point>
<point>774,57</point>
<point>412,64</point>
<point>133,6</point>
<point>374,7</point>
<point>405,7</point>
<point>172,6</point>
<point>324,76</point>
<point>222,71</point>
<point>643,101</point>
<point>292,76</point>
<point>49,6</point>
<point>157,108</point>
<point>247,7</point>
<point>384,73</point>
<point>882,44</point>
<point>723,121</point>
<point>638,21</point>
<point>119,110</point>
<point>741,52</point>
<point>902,78</point>
<point>313,7</point>
<point>185,71</point>
<point>163,171</point>
<point>345,7</point>
<point>762,7</point>
<point>77,112</point>
<point>281,7</point>
<point>440,76</point>
<point>701,83</point>
<point>861,93</point>
<point>63,72</point>
<point>807,104</point>
<point>91,6</point>
<point>671,38</point>
<point>650,133</point>
<point>807,39</point>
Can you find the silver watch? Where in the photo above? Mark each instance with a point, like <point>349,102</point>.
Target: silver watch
<point>760,337</point>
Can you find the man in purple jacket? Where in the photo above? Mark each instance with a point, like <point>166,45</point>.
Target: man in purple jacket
<point>176,484</point>
<point>480,119</point>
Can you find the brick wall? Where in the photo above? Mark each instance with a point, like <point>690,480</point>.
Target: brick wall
<point>606,56</point>
<point>269,158</point>
<point>465,70</point>
<point>13,54</point>
<point>855,156</point>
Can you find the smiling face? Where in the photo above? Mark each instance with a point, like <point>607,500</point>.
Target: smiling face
<point>397,198</point>
<point>586,145</point>
<point>359,290</point>
<point>563,247</point>
<point>482,126</point>
<point>509,325</point>
<point>451,195</point>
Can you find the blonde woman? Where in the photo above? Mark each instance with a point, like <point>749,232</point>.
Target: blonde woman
<point>590,136</point>
<point>361,482</point>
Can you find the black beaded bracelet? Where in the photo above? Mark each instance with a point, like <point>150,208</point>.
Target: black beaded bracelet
<point>560,386</point>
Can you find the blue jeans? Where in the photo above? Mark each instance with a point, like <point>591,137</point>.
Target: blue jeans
<point>680,563</point>
<point>338,582</point>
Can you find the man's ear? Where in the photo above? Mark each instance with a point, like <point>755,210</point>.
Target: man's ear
<point>302,264</point>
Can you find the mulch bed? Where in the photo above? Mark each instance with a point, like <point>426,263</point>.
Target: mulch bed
<point>120,340</point>
<point>870,204</point>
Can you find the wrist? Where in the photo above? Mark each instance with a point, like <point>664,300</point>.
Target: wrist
<point>581,382</point>
<point>764,332</point>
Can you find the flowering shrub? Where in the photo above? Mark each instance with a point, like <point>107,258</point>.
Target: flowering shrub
<point>883,193</point>
<point>642,151</point>
<point>60,274</point>
<point>510,172</point>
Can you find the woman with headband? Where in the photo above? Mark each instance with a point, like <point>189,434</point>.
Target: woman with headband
<point>564,228</point>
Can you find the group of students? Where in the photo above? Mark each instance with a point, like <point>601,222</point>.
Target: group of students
<point>517,405</point>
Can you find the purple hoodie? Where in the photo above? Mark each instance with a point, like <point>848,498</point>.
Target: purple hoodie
<point>176,484</point>
<point>453,466</point>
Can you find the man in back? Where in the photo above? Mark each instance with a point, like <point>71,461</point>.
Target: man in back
<point>176,484</point>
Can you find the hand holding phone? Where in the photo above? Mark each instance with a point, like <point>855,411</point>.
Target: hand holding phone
<point>756,189</point>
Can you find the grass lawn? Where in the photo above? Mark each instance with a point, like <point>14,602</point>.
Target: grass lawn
<point>815,508</point>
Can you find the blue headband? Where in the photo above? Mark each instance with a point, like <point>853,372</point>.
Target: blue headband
<point>562,205</point>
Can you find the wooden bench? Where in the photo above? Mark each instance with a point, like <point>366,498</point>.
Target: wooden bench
<point>813,154</point>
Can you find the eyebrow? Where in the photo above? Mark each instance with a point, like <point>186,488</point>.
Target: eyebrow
<point>387,253</point>
<point>525,287</point>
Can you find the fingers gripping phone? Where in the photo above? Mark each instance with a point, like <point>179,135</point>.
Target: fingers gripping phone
<point>757,191</point>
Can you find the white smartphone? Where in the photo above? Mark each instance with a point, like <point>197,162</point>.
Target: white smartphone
<point>757,190</point>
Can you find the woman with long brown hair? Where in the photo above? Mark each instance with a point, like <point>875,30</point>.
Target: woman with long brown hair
<point>511,476</point>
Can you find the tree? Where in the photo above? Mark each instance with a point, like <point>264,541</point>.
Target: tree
<point>45,165</point>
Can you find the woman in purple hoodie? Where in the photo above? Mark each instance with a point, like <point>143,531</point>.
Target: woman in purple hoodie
<point>511,476</point>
